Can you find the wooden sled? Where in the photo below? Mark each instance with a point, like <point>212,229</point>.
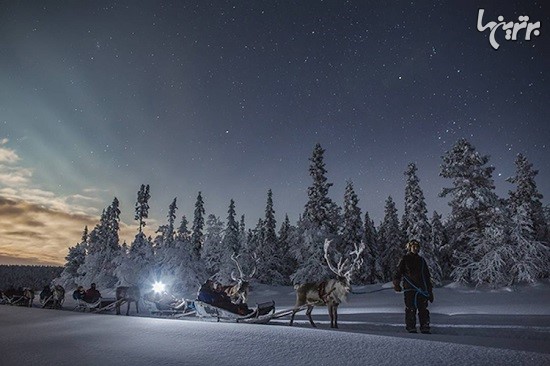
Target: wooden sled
<point>177,309</point>
<point>261,314</point>
<point>82,305</point>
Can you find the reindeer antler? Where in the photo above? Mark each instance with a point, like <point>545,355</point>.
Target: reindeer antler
<point>234,258</point>
<point>343,264</point>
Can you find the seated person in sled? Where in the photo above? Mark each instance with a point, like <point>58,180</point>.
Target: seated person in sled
<point>211,293</point>
<point>92,295</point>
<point>79,293</point>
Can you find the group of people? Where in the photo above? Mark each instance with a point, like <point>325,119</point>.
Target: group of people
<point>412,277</point>
<point>91,295</point>
<point>211,292</point>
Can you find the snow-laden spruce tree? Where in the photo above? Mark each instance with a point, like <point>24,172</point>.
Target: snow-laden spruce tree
<point>527,195</point>
<point>103,250</point>
<point>439,242</point>
<point>230,245</point>
<point>352,228</point>
<point>473,199</point>
<point>136,264</point>
<point>197,236</point>
<point>212,246</point>
<point>142,205</point>
<point>415,223</point>
<point>372,272</point>
<point>391,241</point>
<point>490,254</point>
<point>319,222</point>
<point>285,237</point>
<point>529,227</point>
<point>167,256</point>
<point>70,277</point>
<point>531,257</point>
<point>270,254</point>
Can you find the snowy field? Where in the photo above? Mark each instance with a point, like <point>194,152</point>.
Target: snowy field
<point>470,327</point>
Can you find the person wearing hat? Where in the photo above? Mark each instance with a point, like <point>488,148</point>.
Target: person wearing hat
<point>413,272</point>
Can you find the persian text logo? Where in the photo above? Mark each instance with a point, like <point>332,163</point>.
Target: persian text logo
<point>512,28</point>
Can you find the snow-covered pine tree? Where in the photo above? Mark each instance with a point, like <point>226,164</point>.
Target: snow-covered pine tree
<point>439,242</point>
<point>391,241</point>
<point>472,197</point>
<point>527,195</point>
<point>320,210</point>
<point>270,254</point>
<point>211,248</point>
<point>70,277</point>
<point>490,255</point>
<point>288,263</point>
<point>372,272</point>
<point>352,230</point>
<point>142,205</point>
<point>167,256</point>
<point>530,259</point>
<point>197,236</point>
<point>103,249</point>
<point>415,221</point>
<point>183,233</point>
<point>230,245</point>
<point>320,222</point>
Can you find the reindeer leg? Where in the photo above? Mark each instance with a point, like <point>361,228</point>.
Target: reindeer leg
<point>117,308</point>
<point>137,308</point>
<point>308,313</point>
<point>334,316</point>
<point>128,309</point>
<point>292,318</point>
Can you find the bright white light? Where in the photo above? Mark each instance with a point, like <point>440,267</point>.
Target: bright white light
<point>158,287</point>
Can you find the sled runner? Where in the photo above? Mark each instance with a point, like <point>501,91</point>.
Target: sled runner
<point>175,309</point>
<point>262,314</point>
<point>98,306</point>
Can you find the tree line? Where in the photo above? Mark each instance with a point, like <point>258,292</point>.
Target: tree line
<point>485,239</point>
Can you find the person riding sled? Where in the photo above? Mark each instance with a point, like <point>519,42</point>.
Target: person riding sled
<point>92,295</point>
<point>413,272</point>
<point>211,293</point>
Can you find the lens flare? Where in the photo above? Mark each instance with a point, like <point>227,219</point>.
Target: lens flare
<point>158,287</point>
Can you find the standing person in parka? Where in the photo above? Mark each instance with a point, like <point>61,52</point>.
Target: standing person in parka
<point>413,271</point>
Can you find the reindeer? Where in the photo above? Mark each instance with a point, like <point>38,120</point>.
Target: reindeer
<point>128,294</point>
<point>58,296</point>
<point>238,293</point>
<point>330,292</point>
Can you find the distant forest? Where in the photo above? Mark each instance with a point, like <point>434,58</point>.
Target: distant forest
<point>35,277</point>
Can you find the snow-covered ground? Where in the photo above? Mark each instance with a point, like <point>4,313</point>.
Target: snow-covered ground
<point>470,327</point>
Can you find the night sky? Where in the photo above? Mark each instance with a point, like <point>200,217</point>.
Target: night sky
<point>229,98</point>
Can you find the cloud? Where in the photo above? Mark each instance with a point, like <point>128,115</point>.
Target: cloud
<point>38,226</point>
<point>32,231</point>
